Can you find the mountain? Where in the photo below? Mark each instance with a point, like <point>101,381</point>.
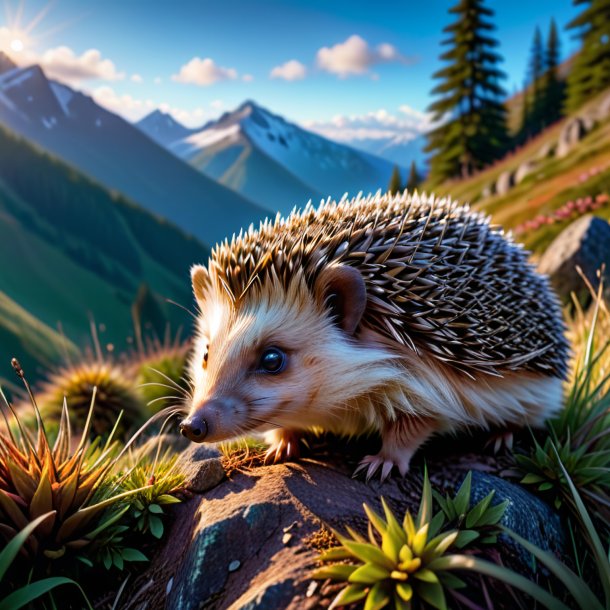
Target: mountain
<point>102,145</point>
<point>276,163</point>
<point>163,128</point>
<point>6,63</point>
<point>399,150</point>
<point>70,249</point>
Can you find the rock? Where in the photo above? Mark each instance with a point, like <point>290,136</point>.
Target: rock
<point>547,532</point>
<point>603,110</point>
<point>505,181</point>
<point>572,133</point>
<point>584,243</point>
<point>488,190</point>
<point>227,549</point>
<point>202,466</point>
<point>545,151</point>
<point>525,169</point>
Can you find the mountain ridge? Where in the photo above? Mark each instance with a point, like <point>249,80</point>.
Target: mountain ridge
<point>102,145</point>
<point>277,163</point>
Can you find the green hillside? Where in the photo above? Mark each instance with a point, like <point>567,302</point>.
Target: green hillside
<point>552,185</point>
<point>70,251</point>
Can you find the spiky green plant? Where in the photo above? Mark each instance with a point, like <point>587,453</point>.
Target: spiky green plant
<point>398,564</point>
<point>408,565</point>
<point>579,438</point>
<point>474,523</point>
<point>116,394</point>
<point>72,483</point>
<point>160,373</point>
<point>158,481</point>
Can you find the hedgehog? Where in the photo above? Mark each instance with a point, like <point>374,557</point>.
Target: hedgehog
<point>406,316</point>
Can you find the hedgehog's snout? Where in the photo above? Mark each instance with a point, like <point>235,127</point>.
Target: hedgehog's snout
<point>195,428</point>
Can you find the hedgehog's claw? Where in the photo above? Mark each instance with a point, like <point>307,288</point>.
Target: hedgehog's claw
<point>284,446</point>
<point>501,442</point>
<point>372,463</point>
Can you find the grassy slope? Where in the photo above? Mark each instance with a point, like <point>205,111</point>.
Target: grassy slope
<point>553,183</point>
<point>70,249</point>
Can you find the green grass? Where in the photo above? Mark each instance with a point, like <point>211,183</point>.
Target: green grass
<point>22,333</point>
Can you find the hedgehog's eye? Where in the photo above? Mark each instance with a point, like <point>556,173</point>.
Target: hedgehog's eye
<point>273,360</point>
<point>205,356</point>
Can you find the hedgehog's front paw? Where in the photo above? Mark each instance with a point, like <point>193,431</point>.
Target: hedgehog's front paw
<point>372,463</point>
<point>283,446</point>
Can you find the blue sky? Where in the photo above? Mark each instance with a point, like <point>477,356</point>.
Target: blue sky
<point>350,59</point>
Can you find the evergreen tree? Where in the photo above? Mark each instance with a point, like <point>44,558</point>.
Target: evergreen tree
<point>553,88</point>
<point>590,73</point>
<point>395,185</point>
<point>469,109</point>
<point>525,131</point>
<point>536,70</point>
<point>414,178</point>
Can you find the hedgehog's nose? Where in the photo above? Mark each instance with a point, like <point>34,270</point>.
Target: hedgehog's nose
<point>195,428</point>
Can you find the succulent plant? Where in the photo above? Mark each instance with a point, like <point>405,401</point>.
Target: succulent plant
<point>395,565</point>
<point>158,481</point>
<point>23,595</point>
<point>72,483</point>
<point>75,382</point>
<point>477,523</point>
<point>160,373</point>
<point>579,437</point>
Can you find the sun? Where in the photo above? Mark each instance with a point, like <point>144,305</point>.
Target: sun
<point>17,45</point>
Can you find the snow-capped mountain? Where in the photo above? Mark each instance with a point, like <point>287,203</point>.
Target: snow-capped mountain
<point>70,125</point>
<point>163,128</point>
<point>276,163</point>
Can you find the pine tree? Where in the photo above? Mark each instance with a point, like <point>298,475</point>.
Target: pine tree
<point>395,185</point>
<point>414,178</point>
<point>525,131</point>
<point>553,88</point>
<point>536,70</point>
<point>469,110</point>
<point>590,73</point>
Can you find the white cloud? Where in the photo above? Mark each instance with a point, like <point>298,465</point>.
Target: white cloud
<point>191,118</point>
<point>136,78</point>
<point>217,104</point>
<point>133,109</point>
<point>407,124</point>
<point>65,65</point>
<point>247,78</point>
<point>127,106</point>
<point>157,80</point>
<point>355,56</point>
<point>291,70</point>
<point>203,72</point>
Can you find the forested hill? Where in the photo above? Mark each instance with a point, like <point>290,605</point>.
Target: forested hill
<point>71,250</point>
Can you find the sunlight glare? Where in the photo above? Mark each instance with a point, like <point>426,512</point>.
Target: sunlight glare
<point>17,45</point>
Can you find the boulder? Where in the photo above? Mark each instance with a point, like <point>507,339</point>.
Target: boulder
<point>585,243</point>
<point>545,151</point>
<point>525,169</point>
<point>505,181</point>
<point>603,110</point>
<point>488,190</point>
<point>572,133</point>
<point>251,541</point>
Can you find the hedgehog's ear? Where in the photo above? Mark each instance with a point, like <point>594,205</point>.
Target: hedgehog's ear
<point>342,289</point>
<point>200,278</point>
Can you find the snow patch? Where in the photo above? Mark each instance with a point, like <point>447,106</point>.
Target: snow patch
<point>64,96</point>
